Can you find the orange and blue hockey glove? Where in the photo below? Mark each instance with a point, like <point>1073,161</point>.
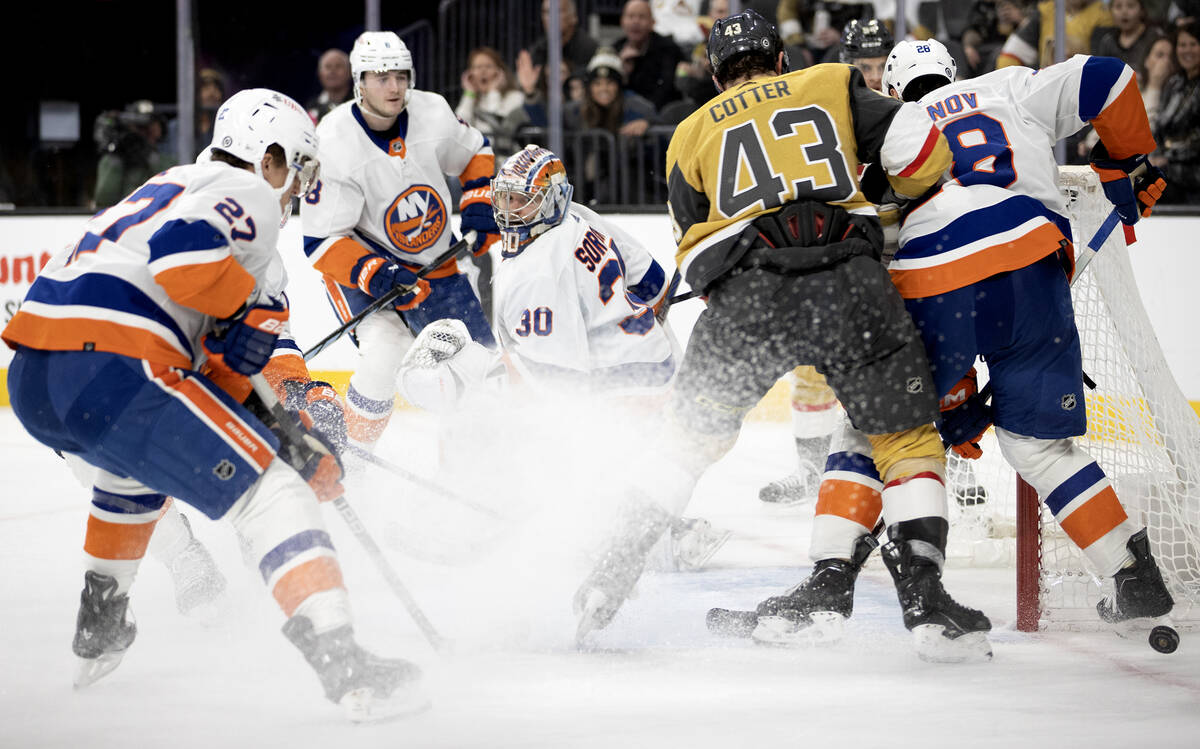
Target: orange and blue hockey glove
<point>966,415</point>
<point>1133,185</point>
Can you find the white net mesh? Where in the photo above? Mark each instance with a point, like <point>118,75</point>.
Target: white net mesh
<point>1141,430</point>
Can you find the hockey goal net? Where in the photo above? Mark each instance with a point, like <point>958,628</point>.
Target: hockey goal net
<point>1141,430</point>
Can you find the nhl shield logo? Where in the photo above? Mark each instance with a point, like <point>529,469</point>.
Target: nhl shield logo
<point>224,470</point>
<point>1068,402</point>
<point>416,219</point>
<point>915,385</point>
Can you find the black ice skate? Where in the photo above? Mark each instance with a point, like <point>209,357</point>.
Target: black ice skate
<point>813,612</point>
<point>945,631</point>
<point>1140,592</point>
<point>104,629</point>
<point>198,582</point>
<point>619,567</point>
<point>367,687</point>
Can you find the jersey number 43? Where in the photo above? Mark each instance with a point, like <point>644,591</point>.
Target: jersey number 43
<point>801,159</point>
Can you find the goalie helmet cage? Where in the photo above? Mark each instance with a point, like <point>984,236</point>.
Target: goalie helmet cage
<point>1141,430</point>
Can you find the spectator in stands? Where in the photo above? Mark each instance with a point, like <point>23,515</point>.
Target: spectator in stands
<point>333,72</point>
<point>1183,12</point>
<point>209,96</point>
<point>489,96</point>
<point>680,20</point>
<point>1177,126</point>
<point>129,154</point>
<point>606,104</point>
<point>1130,38</point>
<point>577,47</point>
<point>648,59</point>
<point>1032,43</point>
<point>1156,70</point>
<point>990,23</point>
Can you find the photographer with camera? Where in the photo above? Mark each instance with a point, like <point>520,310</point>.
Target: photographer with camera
<point>129,151</point>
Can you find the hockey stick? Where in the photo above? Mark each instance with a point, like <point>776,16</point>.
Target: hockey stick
<point>422,482</point>
<point>467,241</point>
<point>294,443</point>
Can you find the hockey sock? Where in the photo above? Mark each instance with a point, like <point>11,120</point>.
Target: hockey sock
<point>1079,494</point>
<point>366,418</point>
<point>280,521</point>
<point>122,518</point>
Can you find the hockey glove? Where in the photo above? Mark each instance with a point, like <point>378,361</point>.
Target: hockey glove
<point>475,214</point>
<point>1133,185</point>
<point>377,276</point>
<point>966,415</point>
<point>248,339</point>
<point>314,458</point>
<point>320,401</point>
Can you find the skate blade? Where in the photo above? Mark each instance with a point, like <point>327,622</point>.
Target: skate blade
<point>590,616</point>
<point>826,628</point>
<point>713,543</point>
<point>362,706</point>
<point>935,647</point>
<point>90,670</point>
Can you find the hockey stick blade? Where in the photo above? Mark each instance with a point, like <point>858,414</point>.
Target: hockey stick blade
<point>731,622</point>
<point>387,299</point>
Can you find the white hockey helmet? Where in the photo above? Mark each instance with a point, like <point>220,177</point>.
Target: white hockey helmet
<point>378,51</point>
<point>530,194</point>
<point>250,121</point>
<point>910,60</point>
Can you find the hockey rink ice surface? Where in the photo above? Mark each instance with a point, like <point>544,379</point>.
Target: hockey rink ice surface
<point>500,590</point>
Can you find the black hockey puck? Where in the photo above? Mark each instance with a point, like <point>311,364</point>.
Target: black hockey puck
<point>1164,639</point>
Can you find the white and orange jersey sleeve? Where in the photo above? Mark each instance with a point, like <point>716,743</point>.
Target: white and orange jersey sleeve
<point>150,274</point>
<point>1064,98</point>
<point>914,152</point>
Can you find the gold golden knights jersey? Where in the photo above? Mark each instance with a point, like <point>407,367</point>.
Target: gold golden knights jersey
<point>774,140</point>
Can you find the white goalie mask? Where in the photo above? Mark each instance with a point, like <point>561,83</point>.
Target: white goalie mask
<point>910,60</point>
<point>379,51</point>
<point>530,194</point>
<point>250,121</point>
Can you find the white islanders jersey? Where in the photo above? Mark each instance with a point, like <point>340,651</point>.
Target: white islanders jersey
<point>576,307</point>
<point>1000,208</point>
<point>388,196</point>
<point>151,274</point>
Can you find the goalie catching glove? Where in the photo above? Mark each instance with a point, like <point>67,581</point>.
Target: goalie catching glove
<point>442,364</point>
<point>966,415</point>
<point>1133,185</point>
<point>377,276</point>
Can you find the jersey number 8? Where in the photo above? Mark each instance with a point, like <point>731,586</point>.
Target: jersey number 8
<point>982,152</point>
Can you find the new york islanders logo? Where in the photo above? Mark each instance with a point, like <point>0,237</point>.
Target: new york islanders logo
<point>415,219</point>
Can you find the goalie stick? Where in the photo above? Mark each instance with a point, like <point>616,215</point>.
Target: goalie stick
<point>294,441</point>
<point>422,482</point>
<point>347,327</point>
